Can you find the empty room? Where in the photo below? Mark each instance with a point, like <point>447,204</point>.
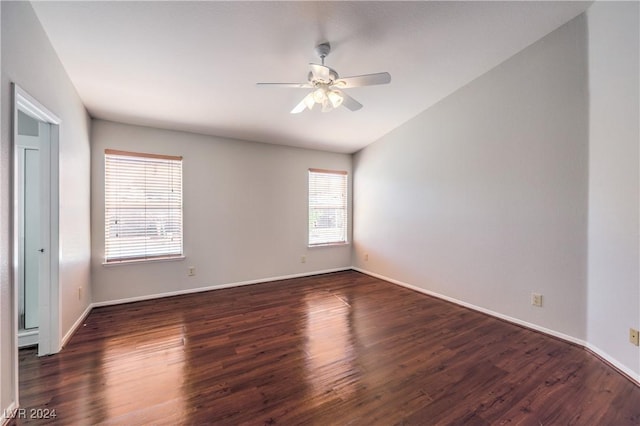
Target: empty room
<point>332,212</point>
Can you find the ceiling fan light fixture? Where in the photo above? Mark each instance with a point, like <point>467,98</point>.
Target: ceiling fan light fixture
<point>320,95</point>
<point>335,97</point>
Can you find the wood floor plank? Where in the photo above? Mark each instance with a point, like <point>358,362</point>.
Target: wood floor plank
<point>342,348</point>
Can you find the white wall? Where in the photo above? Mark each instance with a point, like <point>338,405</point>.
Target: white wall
<point>245,212</point>
<point>483,197</point>
<point>614,227</point>
<point>29,60</point>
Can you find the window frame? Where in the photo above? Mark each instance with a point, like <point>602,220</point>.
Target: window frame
<point>344,173</point>
<point>144,256</point>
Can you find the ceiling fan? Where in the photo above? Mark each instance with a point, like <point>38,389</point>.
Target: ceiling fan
<point>327,86</point>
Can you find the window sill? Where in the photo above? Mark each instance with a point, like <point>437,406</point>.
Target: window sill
<point>138,261</point>
<point>328,245</point>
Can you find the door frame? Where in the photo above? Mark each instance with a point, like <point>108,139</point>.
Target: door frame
<point>49,305</point>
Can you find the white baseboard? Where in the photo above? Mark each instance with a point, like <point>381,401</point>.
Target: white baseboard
<point>75,326</point>
<point>632,375</point>
<point>86,312</point>
<point>214,287</point>
<point>517,321</point>
<point>7,413</point>
<point>606,357</point>
<point>28,338</point>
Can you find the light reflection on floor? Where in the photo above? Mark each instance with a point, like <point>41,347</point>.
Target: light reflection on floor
<point>128,365</point>
<point>330,345</point>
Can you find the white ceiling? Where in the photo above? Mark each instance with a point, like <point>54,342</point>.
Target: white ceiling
<point>193,65</point>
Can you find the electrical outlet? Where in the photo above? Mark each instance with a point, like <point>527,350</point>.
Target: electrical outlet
<point>303,259</point>
<point>634,336</point>
<point>536,299</point>
<point>192,271</point>
<point>366,257</point>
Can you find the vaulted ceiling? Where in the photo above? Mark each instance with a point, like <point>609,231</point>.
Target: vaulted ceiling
<point>193,66</point>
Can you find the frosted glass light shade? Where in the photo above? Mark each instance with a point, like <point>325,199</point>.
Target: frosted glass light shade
<point>335,97</point>
<point>320,95</point>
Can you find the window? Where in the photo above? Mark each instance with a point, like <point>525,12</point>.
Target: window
<point>143,206</point>
<point>327,207</point>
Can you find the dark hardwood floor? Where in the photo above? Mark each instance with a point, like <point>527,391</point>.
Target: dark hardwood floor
<point>335,349</point>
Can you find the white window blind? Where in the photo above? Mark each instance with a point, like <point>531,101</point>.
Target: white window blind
<point>143,206</point>
<point>327,207</point>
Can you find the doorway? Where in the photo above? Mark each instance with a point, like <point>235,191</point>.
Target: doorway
<point>35,225</point>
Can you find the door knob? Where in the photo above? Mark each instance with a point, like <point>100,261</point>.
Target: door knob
<point>41,250</point>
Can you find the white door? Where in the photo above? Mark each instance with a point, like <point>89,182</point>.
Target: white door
<point>33,223</point>
<point>32,243</point>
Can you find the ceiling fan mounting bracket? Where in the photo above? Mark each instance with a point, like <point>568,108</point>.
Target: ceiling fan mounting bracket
<point>322,50</point>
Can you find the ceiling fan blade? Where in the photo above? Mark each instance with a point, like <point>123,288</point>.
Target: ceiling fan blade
<point>320,72</point>
<point>289,85</point>
<point>299,108</point>
<point>363,80</point>
<point>307,102</point>
<point>350,103</point>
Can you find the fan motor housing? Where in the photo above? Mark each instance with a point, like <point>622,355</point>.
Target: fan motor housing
<point>333,76</point>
